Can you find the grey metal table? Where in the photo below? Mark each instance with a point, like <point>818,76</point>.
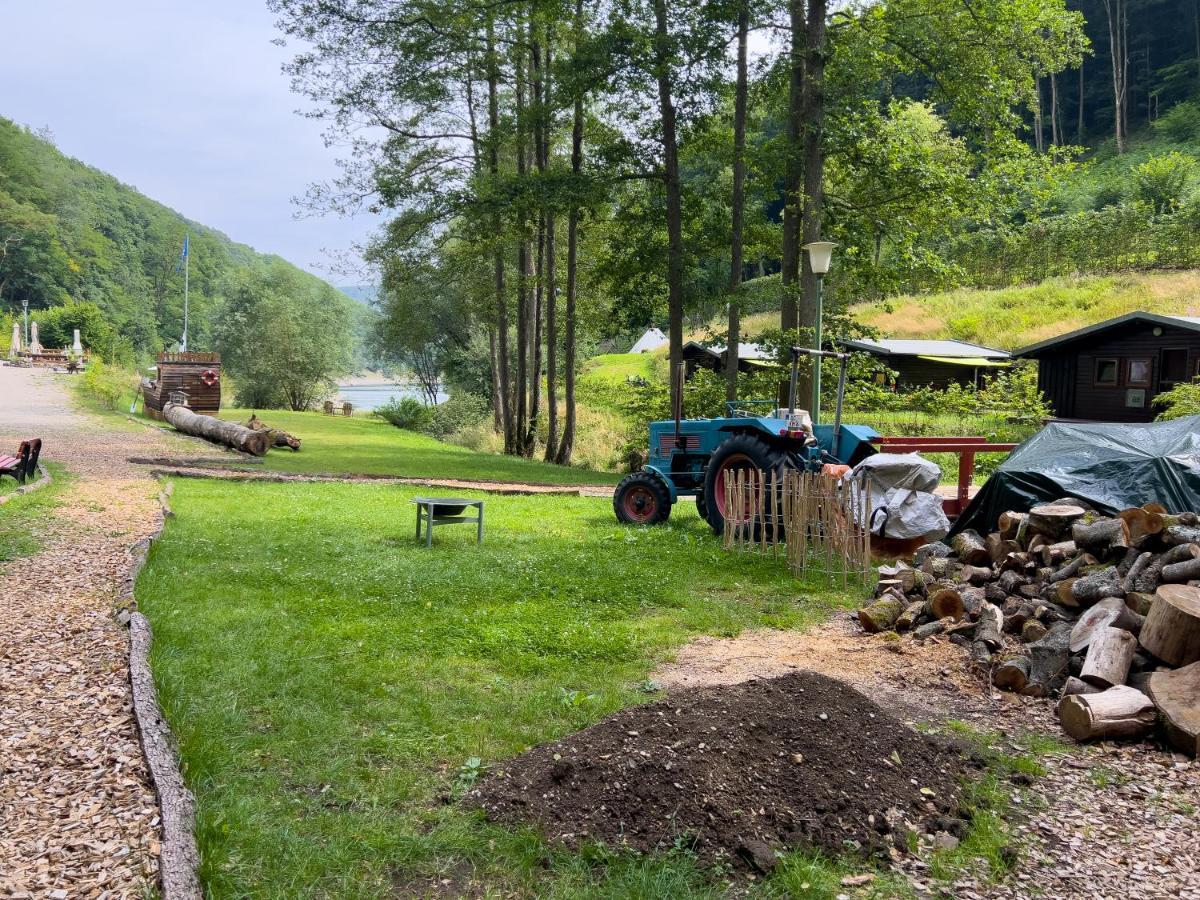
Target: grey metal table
<point>434,511</point>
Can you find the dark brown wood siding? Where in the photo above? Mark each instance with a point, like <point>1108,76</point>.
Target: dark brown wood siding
<point>917,372</point>
<point>182,372</point>
<point>1067,373</point>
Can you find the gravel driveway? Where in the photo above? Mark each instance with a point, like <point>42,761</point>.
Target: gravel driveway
<point>78,817</point>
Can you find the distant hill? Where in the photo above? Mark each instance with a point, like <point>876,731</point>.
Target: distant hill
<point>360,293</point>
<point>72,233</point>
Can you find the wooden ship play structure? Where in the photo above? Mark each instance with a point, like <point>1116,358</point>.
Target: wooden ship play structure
<point>189,378</point>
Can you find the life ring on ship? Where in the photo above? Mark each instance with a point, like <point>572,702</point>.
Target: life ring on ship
<point>209,377</point>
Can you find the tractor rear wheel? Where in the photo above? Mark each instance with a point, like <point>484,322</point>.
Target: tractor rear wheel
<point>642,499</point>
<point>742,452</point>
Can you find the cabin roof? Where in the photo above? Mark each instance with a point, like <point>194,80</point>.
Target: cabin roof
<point>940,348</point>
<point>1188,323</point>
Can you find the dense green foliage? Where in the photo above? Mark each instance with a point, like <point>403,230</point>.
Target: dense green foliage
<point>283,336</point>
<point>1181,400</point>
<point>71,235</point>
<point>330,680</point>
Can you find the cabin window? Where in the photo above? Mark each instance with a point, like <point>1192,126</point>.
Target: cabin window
<point>1174,365</point>
<point>1107,372</point>
<point>1138,372</point>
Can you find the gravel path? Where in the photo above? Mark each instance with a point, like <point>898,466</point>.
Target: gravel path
<point>78,817</point>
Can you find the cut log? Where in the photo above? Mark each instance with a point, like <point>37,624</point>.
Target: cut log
<point>1020,562</point>
<point>1175,535</point>
<point>1071,569</point>
<point>1119,712</point>
<point>1064,591</point>
<point>1141,524</point>
<point>1011,523</point>
<point>880,615</point>
<point>993,593</point>
<point>1172,628</point>
<point>1079,686</point>
<point>1048,660</point>
<point>1096,586</point>
<point>1152,574</point>
<point>981,654</point>
<point>1177,696</point>
<point>1155,508</point>
<point>973,600</point>
<point>1015,620</point>
<point>1135,571</point>
<point>1053,520</point>
<point>1056,554</point>
<point>1108,613</point>
<point>910,616</point>
<point>1109,655</point>
<point>991,626</point>
<point>1032,631</point>
<point>999,547</point>
<point>935,550</point>
<point>939,567</point>
<point>1186,569</point>
<point>278,438</point>
<point>945,603</point>
<point>929,629</point>
<point>902,575</point>
<point>1101,536</point>
<point>1139,603</point>
<point>1012,674</point>
<point>1010,580</point>
<point>969,547</point>
<point>229,434</point>
<point>975,574</point>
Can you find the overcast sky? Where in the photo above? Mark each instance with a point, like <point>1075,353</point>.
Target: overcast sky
<point>184,101</point>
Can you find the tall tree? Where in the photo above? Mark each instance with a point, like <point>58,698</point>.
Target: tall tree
<point>793,173</point>
<point>1118,45</point>
<point>738,201</point>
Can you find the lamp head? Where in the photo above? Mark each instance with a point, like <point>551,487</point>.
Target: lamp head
<point>820,255</point>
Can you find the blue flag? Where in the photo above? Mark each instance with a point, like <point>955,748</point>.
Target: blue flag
<point>183,255</point>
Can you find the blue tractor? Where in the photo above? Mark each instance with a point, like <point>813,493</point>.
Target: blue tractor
<point>694,457</point>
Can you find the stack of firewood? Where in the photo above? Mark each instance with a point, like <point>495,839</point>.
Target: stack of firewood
<point>1101,612</point>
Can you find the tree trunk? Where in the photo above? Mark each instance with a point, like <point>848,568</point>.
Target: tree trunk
<point>1109,656</point>
<point>1055,131</point>
<point>738,204</point>
<point>1079,123</point>
<point>219,431</point>
<point>503,382</point>
<point>1039,129</point>
<point>663,68</point>
<point>1118,33</point>
<point>567,444</point>
<point>537,108</point>
<point>1177,696</point>
<point>814,178</point>
<point>551,340</point>
<point>1172,628</point>
<point>789,274</point>
<point>524,260</point>
<point>880,615</point>
<point>1119,712</point>
<point>497,421</point>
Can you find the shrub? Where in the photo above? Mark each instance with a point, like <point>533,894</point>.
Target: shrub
<point>106,384</point>
<point>1181,400</point>
<point>407,412</point>
<point>56,328</point>
<point>1181,124</point>
<point>460,411</point>
<point>1162,180</point>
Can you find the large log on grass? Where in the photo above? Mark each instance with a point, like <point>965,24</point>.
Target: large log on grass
<point>1172,627</point>
<point>229,434</point>
<point>1177,696</point>
<point>1119,712</point>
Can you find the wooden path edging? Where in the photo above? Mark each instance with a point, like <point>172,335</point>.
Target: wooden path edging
<point>43,480</point>
<point>180,858</point>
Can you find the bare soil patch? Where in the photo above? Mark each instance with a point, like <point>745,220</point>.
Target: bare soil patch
<point>737,772</point>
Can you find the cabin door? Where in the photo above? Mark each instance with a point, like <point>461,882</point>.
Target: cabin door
<point>1172,368</point>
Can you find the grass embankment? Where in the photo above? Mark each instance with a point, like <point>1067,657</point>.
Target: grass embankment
<point>26,518</point>
<point>369,446</point>
<point>332,682</point>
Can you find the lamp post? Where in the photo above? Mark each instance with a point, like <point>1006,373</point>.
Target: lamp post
<point>820,255</point>
<point>25,314</point>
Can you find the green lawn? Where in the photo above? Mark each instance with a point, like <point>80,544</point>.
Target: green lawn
<point>369,446</point>
<point>26,518</point>
<point>330,680</point>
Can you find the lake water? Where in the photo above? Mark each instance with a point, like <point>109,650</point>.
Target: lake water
<point>371,396</point>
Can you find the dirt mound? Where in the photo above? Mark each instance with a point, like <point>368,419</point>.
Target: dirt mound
<point>800,760</point>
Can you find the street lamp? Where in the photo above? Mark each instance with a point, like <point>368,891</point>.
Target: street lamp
<point>820,255</point>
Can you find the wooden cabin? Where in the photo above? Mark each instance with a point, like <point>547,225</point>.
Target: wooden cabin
<point>1113,370</point>
<point>937,364</point>
<point>196,375</point>
<point>751,357</point>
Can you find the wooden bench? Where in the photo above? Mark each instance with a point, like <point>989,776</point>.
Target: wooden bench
<point>24,464</point>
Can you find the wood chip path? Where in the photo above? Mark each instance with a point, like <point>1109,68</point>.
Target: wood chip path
<point>78,818</point>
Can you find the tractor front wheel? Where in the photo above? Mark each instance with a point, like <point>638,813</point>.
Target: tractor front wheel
<point>642,499</point>
<point>742,452</point>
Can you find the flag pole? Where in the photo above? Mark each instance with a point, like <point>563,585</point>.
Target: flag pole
<point>186,261</point>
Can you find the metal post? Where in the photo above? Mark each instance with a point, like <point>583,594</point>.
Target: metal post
<point>25,310</point>
<point>795,377</point>
<point>841,393</point>
<point>187,258</point>
<point>816,402</point>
